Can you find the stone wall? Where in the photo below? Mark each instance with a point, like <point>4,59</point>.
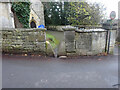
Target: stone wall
<point>24,41</point>
<point>59,35</point>
<point>113,37</point>
<point>55,28</point>
<point>89,41</point>
<point>71,42</point>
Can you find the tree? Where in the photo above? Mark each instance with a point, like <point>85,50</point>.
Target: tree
<point>83,13</point>
<point>73,13</point>
<point>56,13</point>
<point>52,12</point>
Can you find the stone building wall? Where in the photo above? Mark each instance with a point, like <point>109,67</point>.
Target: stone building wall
<point>6,15</point>
<point>37,11</point>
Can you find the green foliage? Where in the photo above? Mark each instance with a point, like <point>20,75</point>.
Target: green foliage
<point>54,13</point>
<point>82,13</point>
<point>22,10</point>
<point>73,13</point>
<point>53,41</point>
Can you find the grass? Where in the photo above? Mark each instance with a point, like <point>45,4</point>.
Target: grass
<point>52,40</point>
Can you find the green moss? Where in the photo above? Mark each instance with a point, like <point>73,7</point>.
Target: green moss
<point>53,41</point>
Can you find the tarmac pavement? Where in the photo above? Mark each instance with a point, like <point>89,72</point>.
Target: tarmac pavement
<point>49,72</point>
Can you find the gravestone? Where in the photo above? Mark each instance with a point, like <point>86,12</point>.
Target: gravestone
<point>69,33</point>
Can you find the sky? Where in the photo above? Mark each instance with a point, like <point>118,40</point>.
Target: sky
<point>111,5</point>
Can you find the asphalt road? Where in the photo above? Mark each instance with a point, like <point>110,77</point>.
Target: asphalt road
<point>49,72</point>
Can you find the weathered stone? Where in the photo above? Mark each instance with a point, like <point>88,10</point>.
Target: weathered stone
<point>71,54</point>
<point>98,45</point>
<point>62,57</point>
<point>70,47</point>
<point>49,50</point>
<point>41,46</point>
<point>74,43</point>
<point>37,11</point>
<point>23,41</point>
<point>112,39</point>
<point>69,28</point>
<point>69,36</point>
<point>62,48</point>
<point>6,19</point>
<point>20,42</point>
<point>81,52</point>
<point>83,41</point>
<point>41,36</point>
<point>89,53</point>
<point>30,38</point>
<point>9,36</point>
